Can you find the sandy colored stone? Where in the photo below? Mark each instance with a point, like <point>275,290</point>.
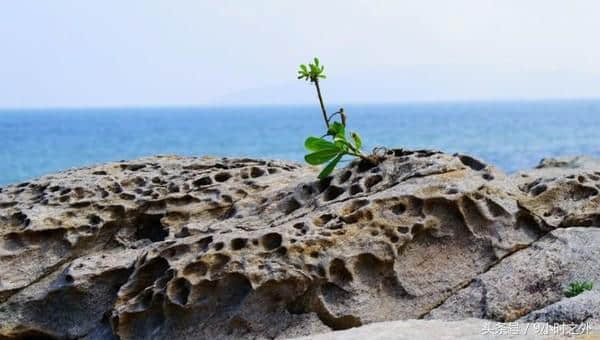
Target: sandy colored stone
<point>563,192</point>
<point>469,329</point>
<point>187,248</point>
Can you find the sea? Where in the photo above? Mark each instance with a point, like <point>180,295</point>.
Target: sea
<point>512,135</point>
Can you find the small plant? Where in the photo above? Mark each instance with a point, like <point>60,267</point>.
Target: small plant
<point>323,150</point>
<point>578,287</point>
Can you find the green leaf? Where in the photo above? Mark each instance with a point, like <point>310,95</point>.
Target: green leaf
<point>337,129</point>
<point>303,67</point>
<point>329,168</point>
<point>357,140</point>
<point>316,61</point>
<point>317,144</point>
<point>321,157</point>
<point>342,143</point>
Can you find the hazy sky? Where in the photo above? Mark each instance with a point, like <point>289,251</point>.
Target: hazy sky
<point>126,53</point>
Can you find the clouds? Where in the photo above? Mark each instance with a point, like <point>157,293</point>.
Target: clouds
<point>114,53</point>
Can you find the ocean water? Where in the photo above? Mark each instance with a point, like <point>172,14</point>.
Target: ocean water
<point>511,135</point>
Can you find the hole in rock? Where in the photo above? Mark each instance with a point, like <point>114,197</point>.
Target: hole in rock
<point>133,167</point>
<point>94,219</point>
<point>180,291</point>
<point>365,165</point>
<point>256,172</point>
<point>184,232</point>
<point>202,181</point>
<point>204,243</point>
<point>238,243</point>
<point>81,204</point>
<point>222,176</point>
<point>399,209</point>
<point>581,192</point>
<point>487,177</point>
<point>20,218</point>
<point>197,268</point>
<point>290,205</point>
<point>372,181</point>
<point>355,189</point>
<point>127,196</point>
<point>403,230</point>
<point>323,219</point>
<point>353,217</point>
<point>271,241</point>
<point>150,227</point>
<point>345,176</point>
<point>229,213</point>
<point>333,192</point>
<point>306,190</point>
<point>219,261</point>
<point>472,163</point>
<point>324,183</point>
<point>417,228</point>
<point>339,272</point>
<point>144,276</point>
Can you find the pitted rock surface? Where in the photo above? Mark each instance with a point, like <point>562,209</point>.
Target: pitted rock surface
<point>189,248</point>
<point>563,192</point>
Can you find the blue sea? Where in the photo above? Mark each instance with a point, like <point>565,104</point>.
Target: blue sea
<point>511,135</point>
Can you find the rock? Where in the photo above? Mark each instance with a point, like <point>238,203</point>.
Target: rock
<point>70,242</point>
<point>562,163</point>
<point>563,192</point>
<point>470,329</point>
<point>529,279</point>
<point>187,248</point>
<point>583,308</point>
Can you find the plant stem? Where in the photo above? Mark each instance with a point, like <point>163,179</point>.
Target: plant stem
<point>322,105</point>
<point>362,156</point>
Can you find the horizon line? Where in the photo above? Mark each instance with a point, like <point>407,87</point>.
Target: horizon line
<point>303,104</point>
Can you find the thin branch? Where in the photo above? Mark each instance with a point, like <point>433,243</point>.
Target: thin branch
<point>333,115</point>
<point>342,115</point>
<point>316,81</point>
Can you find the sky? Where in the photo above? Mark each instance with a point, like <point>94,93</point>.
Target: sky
<point>114,53</point>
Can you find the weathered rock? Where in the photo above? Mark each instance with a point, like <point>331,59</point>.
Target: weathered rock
<point>188,248</point>
<point>528,279</point>
<point>583,308</point>
<point>470,329</point>
<point>563,192</point>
